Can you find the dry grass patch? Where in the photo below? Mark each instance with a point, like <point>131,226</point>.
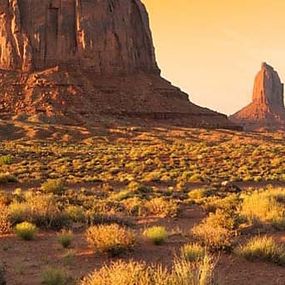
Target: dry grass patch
<point>263,248</point>
<point>265,207</point>
<point>111,239</point>
<point>138,273</point>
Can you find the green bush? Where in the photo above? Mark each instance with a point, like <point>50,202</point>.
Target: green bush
<point>193,252</point>
<point>265,207</point>
<point>55,276</point>
<point>7,178</point>
<point>6,159</point>
<point>263,248</point>
<point>26,231</point>
<point>54,186</point>
<point>75,213</point>
<point>112,239</point>
<point>65,238</point>
<point>157,235</point>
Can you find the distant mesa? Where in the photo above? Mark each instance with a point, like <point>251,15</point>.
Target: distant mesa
<point>81,61</point>
<point>266,112</point>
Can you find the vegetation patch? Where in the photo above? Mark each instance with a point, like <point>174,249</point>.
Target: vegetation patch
<point>111,239</point>
<point>26,231</point>
<point>158,235</point>
<point>138,273</point>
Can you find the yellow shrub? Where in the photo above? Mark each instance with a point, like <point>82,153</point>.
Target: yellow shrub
<point>112,239</point>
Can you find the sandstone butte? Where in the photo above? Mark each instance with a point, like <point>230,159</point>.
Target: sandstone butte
<point>266,111</point>
<point>82,61</point>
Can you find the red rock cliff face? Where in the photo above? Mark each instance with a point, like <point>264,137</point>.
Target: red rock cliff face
<point>267,108</point>
<point>105,36</point>
<point>87,61</point>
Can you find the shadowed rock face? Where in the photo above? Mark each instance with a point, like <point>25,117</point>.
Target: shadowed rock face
<point>86,61</point>
<point>105,36</point>
<point>267,108</point>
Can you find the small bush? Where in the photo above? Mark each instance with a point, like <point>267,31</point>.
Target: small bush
<point>7,178</point>
<point>198,194</point>
<point>26,230</point>
<point>112,239</point>
<point>55,276</point>
<point>65,238</point>
<point>5,159</point>
<point>215,232</point>
<point>157,235</point>
<point>40,209</point>
<point>263,248</point>
<point>135,273</point>
<point>75,213</point>
<point>193,252</point>
<point>54,186</point>
<point>161,207</point>
<point>265,207</point>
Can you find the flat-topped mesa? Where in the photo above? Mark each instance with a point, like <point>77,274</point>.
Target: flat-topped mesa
<point>267,108</point>
<point>268,88</point>
<point>105,36</point>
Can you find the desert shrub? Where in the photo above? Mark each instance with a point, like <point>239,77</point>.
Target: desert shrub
<point>138,273</point>
<point>215,231</point>
<point>265,207</point>
<point>5,225</point>
<point>193,252</point>
<point>40,209</point>
<point>7,178</point>
<point>122,195</point>
<point>161,207</point>
<point>111,239</point>
<point>156,234</point>
<point>6,159</point>
<point>26,231</point>
<point>139,188</point>
<point>228,220</point>
<point>65,238</point>
<point>54,186</point>
<point>198,194</point>
<point>263,248</point>
<point>133,206</point>
<point>228,204</point>
<point>2,274</point>
<point>75,213</point>
<point>55,276</point>
<point>19,212</point>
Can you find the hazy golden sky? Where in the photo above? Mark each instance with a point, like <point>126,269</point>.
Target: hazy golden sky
<point>213,49</point>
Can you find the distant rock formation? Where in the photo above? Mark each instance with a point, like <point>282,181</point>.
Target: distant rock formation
<point>266,112</point>
<point>85,60</point>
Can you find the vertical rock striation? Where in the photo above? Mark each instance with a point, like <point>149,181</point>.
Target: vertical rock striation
<point>87,60</point>
<point>106,36</point>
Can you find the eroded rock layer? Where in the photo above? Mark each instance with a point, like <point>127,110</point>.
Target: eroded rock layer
<point>82,60</point>
<point>266,112</point>
<point>105,36</point>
